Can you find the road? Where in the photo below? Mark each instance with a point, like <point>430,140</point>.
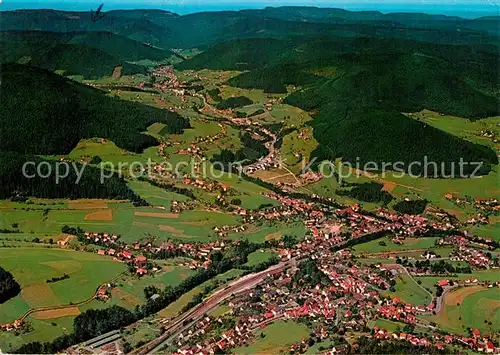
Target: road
<point>186,319</point>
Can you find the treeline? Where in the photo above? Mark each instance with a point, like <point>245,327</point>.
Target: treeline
<point>55,279</point>
<point>8,286</point>
<point>198,298</point>
<point>87,325</point>
<point>360,240</point>
<point>273,260</point>
<point>274,79</point>
<point>365,345</point>
<point>234,102</point>
<point>411,207</point>
<point>437,267</point>
<point>13,183</point>
<point>368,192</point>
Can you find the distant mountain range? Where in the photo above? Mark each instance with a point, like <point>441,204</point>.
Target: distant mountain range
<point>169,30</point>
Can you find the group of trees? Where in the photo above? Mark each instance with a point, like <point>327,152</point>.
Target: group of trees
<point>411,207</point>
<point>436,267</point>
<point>87,325</point>
<point>234,102</point>
<point>8,286</point>
<point>368,192</point>
<point>57,278</point>
<point>215,94</point>
<point>13,182</point>
<point>252,150</point>
<point>309,274</point>
<point>365,345</point>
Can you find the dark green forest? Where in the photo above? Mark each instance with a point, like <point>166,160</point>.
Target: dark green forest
<point>90,54</point>
<point>44,113</point>
<point>8,286</point>
<point>14,184</point>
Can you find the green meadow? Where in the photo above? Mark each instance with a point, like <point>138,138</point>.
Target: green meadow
<point>409,291</point>
<point>169,275</point>
<point>276,338</point>
<point>375,246</point>
<point>31,268</point>
<point>470,307</point>
<point>259,257</point>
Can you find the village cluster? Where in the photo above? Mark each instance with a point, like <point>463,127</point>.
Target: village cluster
<point>349,303</point>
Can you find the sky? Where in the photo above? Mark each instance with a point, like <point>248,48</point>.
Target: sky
<point>464,8</point>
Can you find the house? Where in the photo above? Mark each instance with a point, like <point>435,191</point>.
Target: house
<point>102,294</point>
<point>490,348</point>
<point>476,333</point>
<point>127,255</point>
<point>101,252</point>
<point>141,260</point>
<point>443,283</point>
<point>140,271</point>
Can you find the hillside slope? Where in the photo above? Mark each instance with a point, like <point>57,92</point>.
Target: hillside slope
<point>44,113</point>
<point>166,30</point>
<point>358,89</point>
<point>90,54</point>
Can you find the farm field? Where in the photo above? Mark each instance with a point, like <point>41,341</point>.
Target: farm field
<point>33,266</point>
<point>408,244</point>
<point>156,196</point>
<point>489,231</point>
<point>130,222</point>
<point>170,275</point>
<point>229,275</point>
<point>470,307</point>
<point>389,325</point>
<point>258,257</point>
<point>486,275</point>
<point>43,330</point>
<point>112,156</point>
<point>277,337</point>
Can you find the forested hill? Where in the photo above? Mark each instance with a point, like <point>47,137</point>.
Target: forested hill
<point>90,54</point>
<point>359,88</point>
<point>167,30</point>
<point>44,113</point>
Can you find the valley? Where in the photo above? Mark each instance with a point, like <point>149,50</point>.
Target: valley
<point>196,215</point>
